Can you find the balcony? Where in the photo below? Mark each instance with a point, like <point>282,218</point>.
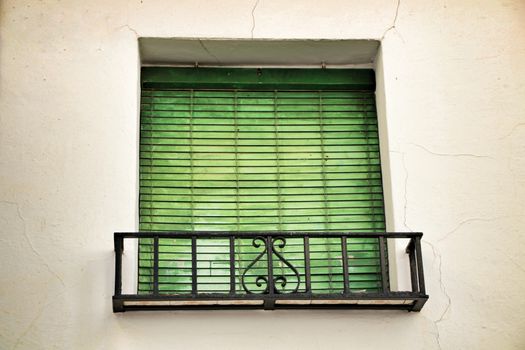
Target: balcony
<point>264,270</point>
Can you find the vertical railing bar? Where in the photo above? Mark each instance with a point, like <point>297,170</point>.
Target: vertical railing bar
<point>232,265</point>
<point>192,199</point>
<point>150,187</point>
<point>344,256</point>
<point>279,190</point>
<point>277,161</point>
<point>419,260</point>
<point>194,266</point>
<point>237,195</point>
<point>192,175</point>
<point>156,265</point>
<point>384,266</point>
<point>307,272</point>
<point>119,247</point>
<point>269,249</point>
<point>325,195</point>
<point>150,170</point>
<point>412,262</point>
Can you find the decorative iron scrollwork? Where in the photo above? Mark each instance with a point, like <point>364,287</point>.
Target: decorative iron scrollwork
<point>280,242</point>
<point>259,280</point>
<point>262,280</point>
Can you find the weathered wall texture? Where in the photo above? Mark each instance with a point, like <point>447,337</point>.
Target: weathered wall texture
<point>454,81</point>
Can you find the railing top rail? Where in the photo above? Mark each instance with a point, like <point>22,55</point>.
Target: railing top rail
<point>248,234</point>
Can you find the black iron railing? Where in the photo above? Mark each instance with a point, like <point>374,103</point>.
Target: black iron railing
<point>268,270</point>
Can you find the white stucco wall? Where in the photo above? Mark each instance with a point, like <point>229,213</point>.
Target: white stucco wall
<point>454,108</point>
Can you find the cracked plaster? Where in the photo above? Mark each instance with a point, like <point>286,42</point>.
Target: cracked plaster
<point>253,17</point>
<point>394,22</point>
<point>208,51</point>
<point>30,242</point>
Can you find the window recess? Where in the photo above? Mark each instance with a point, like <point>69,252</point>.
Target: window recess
<point>262,188</point>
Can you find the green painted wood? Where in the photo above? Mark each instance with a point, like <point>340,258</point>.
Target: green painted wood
<point>159,78</point>
<point>275,150</point>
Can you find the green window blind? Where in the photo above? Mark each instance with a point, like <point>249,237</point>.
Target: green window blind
<point>259,150</point>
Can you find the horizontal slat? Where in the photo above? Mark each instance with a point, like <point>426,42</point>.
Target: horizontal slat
<point>258,212</point>
<point>166,244</point>
<point>159,158</point>
<point>240,100</point>
<point>356,193</point>
<point>168,266</point>
<point>257,162</point>
<point>207,261</point>
<point>319,218</point>
<point>174,124</point>
<point>261,188</point>
<point>147,132</point>
<point>151,172</point>
<point>266,199</point>
<point>198,110</point>
<point>246,183</point>
<point>368,203</point>
<point>349,113</point>
<point>257,94</point>
<point>256,153</point>
<point>282,150</point>
<point>364,143</point>
<point>242,134</point>
<point>164,179</point>
<point>357,226</point>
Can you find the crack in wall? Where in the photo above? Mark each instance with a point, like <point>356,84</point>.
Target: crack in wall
<point>130,28</point>
<point>34,320</point>
<point>29,327</point>
<point>449,154</point>
<point>394,22</point>
<point>458,226</point>
<point>469,220</point>
<point>405,193</point>
<point>435,252</point>
<point>208,51</point>
<point>30,242</point>
<point>253,16</point>
<point>437,255</point>
<point>405,206</point>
